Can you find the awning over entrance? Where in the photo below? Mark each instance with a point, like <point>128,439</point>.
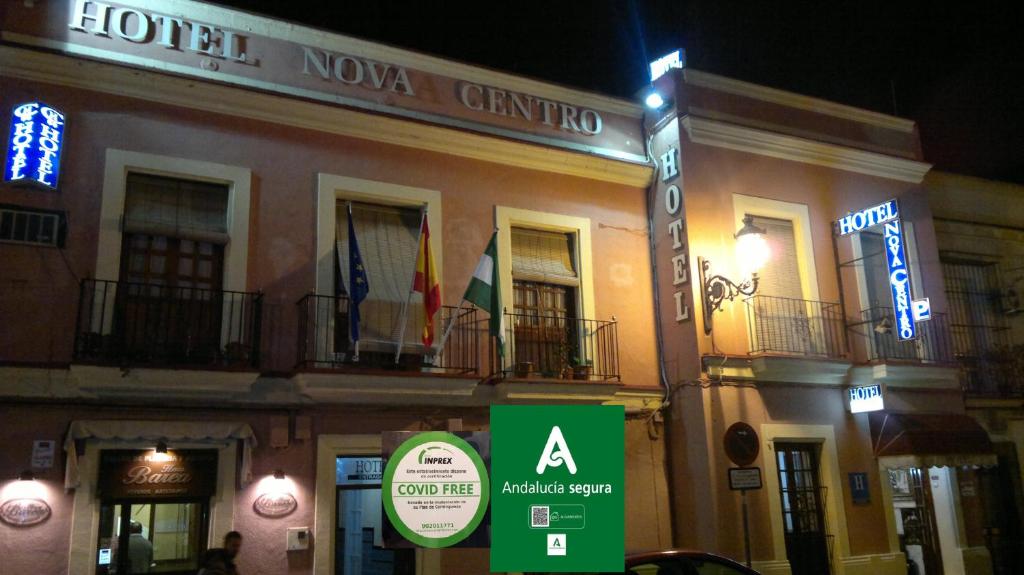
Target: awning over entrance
<point>904,440</point>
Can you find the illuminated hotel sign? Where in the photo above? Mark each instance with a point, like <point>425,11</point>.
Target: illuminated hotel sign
<point>866,398</point>
<point>198,40</point>
<point>659,67</point>
<point>907,311</point>
<point>34,145</point>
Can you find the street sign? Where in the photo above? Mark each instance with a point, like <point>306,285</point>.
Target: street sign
<point>744,478</point>
<point>741,444</point>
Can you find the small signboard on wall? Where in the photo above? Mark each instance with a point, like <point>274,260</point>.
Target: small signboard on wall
<point>866,398</point>
<point>859,491</point>
<point>744,478</point>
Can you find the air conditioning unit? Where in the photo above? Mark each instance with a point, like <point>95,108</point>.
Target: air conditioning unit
<point>31,226</point>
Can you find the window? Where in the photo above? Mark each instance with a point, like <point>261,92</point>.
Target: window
<point>781,276</point>
<point>169,303</point>
<point>545,281</point>
<point>783,321</point>
<point>876,270</point>
<point>388,238</point>
<point>972,294</point>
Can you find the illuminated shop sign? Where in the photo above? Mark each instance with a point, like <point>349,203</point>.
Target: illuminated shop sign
<point>906,310</point>
<point>899,279</point>
<point>659,67</point>
<point>34,145</point>
<point>866,398</point>
<point>864,219</point>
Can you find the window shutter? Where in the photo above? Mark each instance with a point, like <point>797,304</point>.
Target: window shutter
<point>781,275</point>
<point>388,237</point>
<point>160,206</point>
<point>542,256</point>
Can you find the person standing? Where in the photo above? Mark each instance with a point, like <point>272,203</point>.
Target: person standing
<point>222,561</point>
<point>140,550</point>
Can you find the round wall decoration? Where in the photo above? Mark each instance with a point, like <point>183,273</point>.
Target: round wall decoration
<point>25,511</point>
<point>276,504</point>
<point>435,489</point>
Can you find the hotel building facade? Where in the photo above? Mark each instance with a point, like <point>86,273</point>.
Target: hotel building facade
<point>174,297</point>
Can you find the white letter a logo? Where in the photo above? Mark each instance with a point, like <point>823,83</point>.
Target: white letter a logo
<point>554,458</point>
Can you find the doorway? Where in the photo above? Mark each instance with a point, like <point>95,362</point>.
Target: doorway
<point>166,537</point>
<point>803,508</point>
<point>358,531</point>
<point>913,504</point>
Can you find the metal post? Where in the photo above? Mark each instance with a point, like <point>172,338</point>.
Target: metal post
<point>746,527</point>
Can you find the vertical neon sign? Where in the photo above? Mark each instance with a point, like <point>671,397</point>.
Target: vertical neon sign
<point>34,145</point>
<point>907,311</point>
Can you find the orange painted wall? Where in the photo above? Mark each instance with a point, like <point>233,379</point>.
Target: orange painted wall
<point>39,287</point>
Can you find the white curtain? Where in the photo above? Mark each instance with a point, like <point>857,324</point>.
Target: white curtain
<point>177,208</point>
<point>387,237</point>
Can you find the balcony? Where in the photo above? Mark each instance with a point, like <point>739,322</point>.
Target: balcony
<point>324,342</point>
<point>795,327</point>
<point>991,365</point>
<point>932,345</point>
<point>128,324</point>
<point>559,348</point>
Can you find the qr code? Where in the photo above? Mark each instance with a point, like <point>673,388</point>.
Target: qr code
<point>539,516</point>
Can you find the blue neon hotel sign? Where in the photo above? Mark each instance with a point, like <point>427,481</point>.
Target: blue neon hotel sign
<point>907,311</point>
<point>34,145</point>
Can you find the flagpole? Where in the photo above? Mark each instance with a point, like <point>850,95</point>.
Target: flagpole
<point>455,316</point>
<point>412,289</point>
<point>355,344</point>
<point>448,330</point>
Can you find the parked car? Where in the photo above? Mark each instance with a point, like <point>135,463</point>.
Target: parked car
<point>682,562</point>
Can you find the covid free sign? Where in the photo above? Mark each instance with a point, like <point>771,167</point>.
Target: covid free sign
<point>557,488</point>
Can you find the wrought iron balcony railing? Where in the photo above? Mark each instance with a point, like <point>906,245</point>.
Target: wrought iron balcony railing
<point>136,324</point>
<point>797,327</point>
<point>932,345</point>
<point>324,341</point>
<point>554,347</point>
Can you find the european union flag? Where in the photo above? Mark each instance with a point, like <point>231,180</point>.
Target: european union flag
<point>358,284</point>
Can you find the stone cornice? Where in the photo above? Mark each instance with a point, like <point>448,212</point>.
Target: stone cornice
<point>211,97</point>
<point>725,135</point>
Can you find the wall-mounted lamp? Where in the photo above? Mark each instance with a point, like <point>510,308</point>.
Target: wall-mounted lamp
<point>26,475</point>
<point>161,447</point>
<point>752,252</point>
<point>654,101</point>
<point>278,474</point>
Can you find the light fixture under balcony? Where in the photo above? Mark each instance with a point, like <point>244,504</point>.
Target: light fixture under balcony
<point>752,253</point>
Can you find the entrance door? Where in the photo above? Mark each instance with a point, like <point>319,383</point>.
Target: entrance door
<point>358,534</point>
<point>1000,491</point>
<point>166,537</point>
<point>803,508</point>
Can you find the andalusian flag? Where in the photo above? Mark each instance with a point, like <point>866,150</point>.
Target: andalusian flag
<point>426,283</point>
<point>484,291</point>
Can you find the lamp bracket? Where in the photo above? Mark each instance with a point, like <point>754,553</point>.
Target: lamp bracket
<point>715,289</point>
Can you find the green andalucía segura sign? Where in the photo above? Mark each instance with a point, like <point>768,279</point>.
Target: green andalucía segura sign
<point>435,489</point>
<point>557,478</point>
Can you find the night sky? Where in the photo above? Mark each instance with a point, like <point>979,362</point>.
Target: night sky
<point>955,68</point>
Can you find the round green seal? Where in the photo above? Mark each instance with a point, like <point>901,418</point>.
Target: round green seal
<point>435,489</point>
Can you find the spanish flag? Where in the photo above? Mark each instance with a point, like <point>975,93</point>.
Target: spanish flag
<point>426,283</point>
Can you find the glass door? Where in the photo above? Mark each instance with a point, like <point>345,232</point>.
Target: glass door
<point>803,508</point>
<point>358,536</point>
<point>166,537</point>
